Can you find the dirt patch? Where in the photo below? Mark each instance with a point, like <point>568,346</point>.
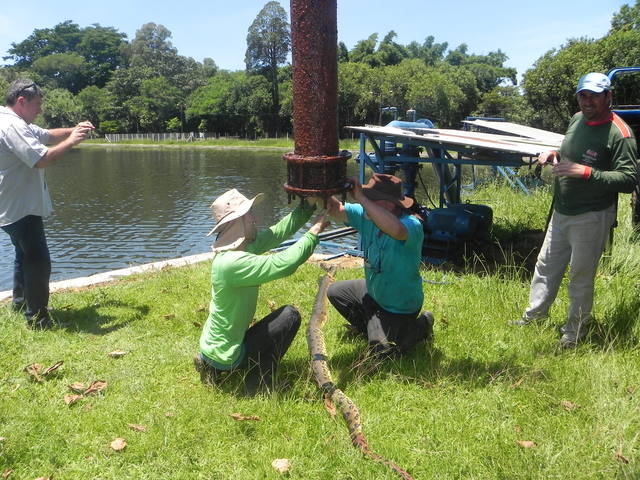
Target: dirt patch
<point>343,261</point>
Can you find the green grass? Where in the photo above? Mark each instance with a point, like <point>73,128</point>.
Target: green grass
<point>280,143</point>
<point>453,410</point>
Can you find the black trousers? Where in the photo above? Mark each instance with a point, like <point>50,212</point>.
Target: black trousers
<point>265,344</point>
<point>391,332</point>
<point>31,267</point>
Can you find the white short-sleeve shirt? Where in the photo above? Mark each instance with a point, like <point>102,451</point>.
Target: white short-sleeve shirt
<point>23,188</point>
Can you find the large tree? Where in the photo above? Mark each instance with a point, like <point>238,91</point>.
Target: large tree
<point>628,18</point>
<point>67,56</point>
<point>268,44</point>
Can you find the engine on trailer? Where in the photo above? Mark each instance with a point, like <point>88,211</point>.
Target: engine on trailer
<point>449,231</point>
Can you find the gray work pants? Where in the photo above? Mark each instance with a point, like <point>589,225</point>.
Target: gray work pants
<point>576,241</point>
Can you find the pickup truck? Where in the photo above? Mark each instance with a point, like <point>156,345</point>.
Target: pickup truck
<point>626,87</point>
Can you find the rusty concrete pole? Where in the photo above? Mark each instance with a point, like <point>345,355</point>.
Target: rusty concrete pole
<point>316,167</point>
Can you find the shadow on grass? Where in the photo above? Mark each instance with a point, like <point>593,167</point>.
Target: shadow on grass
<point>616,330</point>
<point>425,365</point>
<point>94,319</point>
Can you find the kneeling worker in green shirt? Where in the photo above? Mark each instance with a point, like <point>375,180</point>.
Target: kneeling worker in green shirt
<point>238,269</point>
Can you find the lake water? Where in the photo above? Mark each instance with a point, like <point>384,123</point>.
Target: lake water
<point>116,207</point>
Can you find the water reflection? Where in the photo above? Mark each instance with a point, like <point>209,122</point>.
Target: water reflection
<point>114,208</point>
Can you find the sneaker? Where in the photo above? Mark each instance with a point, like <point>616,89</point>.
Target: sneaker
<point>571,338</point>
<point>207,374</point>
<point>524,320</point>
<point>569,341</point>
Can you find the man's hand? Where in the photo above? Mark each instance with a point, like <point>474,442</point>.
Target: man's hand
<point>571,169</point>
<point>550,156</point>
<point>86,124</point>
<point>356,189</point>
<point>319,223</point>
<point>78,134</point>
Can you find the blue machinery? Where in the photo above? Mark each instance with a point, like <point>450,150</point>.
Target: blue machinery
<point>445,228</point>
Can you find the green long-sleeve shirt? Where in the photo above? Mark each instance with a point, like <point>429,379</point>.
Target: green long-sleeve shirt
<point>235,278</point>
<point>609,148</point>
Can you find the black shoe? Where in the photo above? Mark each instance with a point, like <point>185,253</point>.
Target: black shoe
<point>425,320</point>
<point>380,351</point>
<point>40,323</point>
<point>18,306</point>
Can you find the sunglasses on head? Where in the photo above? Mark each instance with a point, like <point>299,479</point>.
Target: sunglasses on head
<point>26,87</point>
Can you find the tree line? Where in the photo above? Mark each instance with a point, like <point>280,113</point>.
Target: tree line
<point>145,85</point>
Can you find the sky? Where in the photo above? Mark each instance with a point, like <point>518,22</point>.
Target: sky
<point>523,29</point>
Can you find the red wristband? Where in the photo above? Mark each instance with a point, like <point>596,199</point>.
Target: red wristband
<point>586,173</point>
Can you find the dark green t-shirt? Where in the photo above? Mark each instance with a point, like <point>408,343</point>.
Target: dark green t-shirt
<point>609,148</point>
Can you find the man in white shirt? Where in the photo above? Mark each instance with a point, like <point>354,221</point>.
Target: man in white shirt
<point>24,197</point>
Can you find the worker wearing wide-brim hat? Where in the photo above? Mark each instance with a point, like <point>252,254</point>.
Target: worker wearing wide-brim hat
<point>228,342</point>
<point>385,306</point>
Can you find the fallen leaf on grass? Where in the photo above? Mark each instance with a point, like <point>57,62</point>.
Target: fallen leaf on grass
<point>137,428</point>
<point>329,406</point>
<point>197,324</point>
<point>621,458</point>
<point>281,465</point>
<point>169,316</point>
<point>202,308</point>
<point>527,444</point>
<point>95,387</point>
<point>631,390</point>
<point>43,478</point>
<point>169,414</point>
<point>36,372</point>
<point>569,406</point>
<point>77,387</point>
<point>52,368</point>
<point>71,398</point>
<point>2,439</point>
<point>272,307</point>
<point>119,444</point>
<point>6,473</point>
<point>117,354</point>
<point>240,417</point>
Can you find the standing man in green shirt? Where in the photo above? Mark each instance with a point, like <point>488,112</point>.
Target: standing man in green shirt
<point>596,161</point>
<point>238,269</point>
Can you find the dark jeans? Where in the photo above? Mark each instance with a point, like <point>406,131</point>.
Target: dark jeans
<point>265,344</point>
<point>31,267</point>
<point>391,332</point>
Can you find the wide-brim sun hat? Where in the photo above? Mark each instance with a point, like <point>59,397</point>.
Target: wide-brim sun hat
<point>386,187</point>
<point>594,82</point>
<point>230,206</point>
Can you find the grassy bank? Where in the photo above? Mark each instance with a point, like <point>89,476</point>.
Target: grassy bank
<point>464,407</point>
<point>261,143</point>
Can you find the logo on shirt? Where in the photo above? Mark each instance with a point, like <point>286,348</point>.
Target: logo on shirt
<point>590,157</point>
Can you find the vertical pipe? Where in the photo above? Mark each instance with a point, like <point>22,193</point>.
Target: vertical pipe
<point>316,167</point>
<point>314,35</point>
